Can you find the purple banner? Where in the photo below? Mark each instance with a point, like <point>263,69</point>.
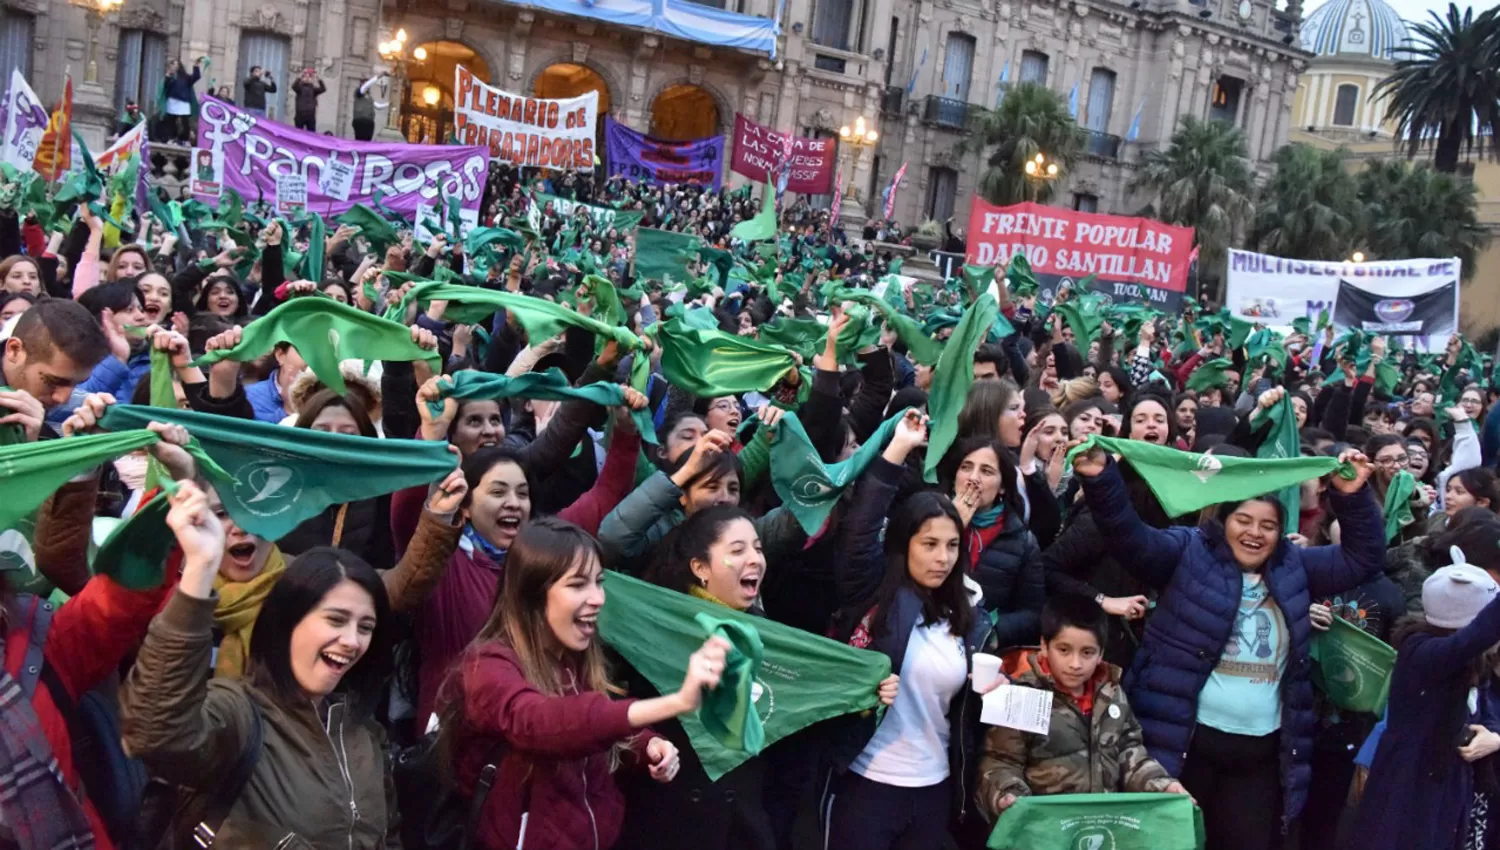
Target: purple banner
<point>642,158</point>
<point>258,150</point>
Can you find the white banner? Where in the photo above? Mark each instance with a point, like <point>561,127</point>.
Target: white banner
<point>25,123</point>
<point>1273,291</point>
<point>525,131</point>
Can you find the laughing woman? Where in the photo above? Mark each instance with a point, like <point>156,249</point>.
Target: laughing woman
<point>1221,682</point>
<point>320,660</point>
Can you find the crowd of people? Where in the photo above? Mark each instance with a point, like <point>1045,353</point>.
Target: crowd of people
<point>431,656</point>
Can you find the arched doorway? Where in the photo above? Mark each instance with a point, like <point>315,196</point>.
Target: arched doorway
<point>684,112</point>
<point>427,114</point>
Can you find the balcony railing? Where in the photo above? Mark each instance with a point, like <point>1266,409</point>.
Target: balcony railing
<point>1103,145</point>
<point>892,101</point>
<point>946,112</point>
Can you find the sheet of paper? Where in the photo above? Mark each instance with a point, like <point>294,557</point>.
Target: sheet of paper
<point>1017,707</point>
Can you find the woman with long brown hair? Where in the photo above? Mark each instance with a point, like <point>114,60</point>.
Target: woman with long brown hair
<point>531,697</point>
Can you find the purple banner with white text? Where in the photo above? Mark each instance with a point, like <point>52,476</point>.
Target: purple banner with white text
<point>258,150</point>
<point>642,158</point>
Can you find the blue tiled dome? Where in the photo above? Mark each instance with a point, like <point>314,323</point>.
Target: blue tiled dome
<point>1354,27</point>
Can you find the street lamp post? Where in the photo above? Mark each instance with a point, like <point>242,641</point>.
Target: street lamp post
<point>95,11</point>
<point>1038,172</point>
<point>393,53</point>
<point>857,140</point>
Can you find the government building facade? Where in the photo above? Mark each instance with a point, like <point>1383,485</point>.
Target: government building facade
<point>914,70</point>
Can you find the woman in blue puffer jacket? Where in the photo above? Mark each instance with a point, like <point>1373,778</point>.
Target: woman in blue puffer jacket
<point>1221,682</point>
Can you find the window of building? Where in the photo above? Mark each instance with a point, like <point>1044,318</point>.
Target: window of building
<point>942,188</point>
<point>1084,202</point>
<point>139,66</point>
<point>1033,67</point>
<point>890,49</point>
<point>831,19</point>
<point>17,33</point>
<point>1344,104</point>
<point>1225,105</point>
<point>1101,100</point>
<point>958,66</point>
<point>270,52</point>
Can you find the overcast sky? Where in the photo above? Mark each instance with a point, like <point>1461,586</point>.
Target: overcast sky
<point>1415,10</point>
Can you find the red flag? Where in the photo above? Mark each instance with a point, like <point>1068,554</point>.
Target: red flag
<point>54,156</point>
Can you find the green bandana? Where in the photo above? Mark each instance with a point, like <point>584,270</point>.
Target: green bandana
<point>808,487</point>
<point>952,377</point>
<point>1187,481</point>
<point>273,477</point>
<point>135,553</point>
<point>804,678</point>
<point>1283,442</point>
<point>710,363</point>
<point>326,332</point>
<point>1398,504</point>
<point>763,225</point>
<point>804,336</point>
<point>1353,667</point>
<point>728,711</point>
<point>923,348</point>
<point>1266,343</point>
<point>664,255</point>
<point>551,385</point>
<point>542,319</point>
<point>1019,278</point>
<point>372,225</point>
<point>1210,375</point>
<point>1084,313</point>
<point>32,471</point>
<point>1100,822</point>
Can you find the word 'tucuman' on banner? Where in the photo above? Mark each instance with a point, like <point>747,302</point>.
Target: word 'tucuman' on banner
<point>525,131</point>
<point>1134,259</point>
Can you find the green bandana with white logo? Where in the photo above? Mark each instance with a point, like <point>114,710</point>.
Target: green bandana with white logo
<point>274,477</point>
<point>808,487</point>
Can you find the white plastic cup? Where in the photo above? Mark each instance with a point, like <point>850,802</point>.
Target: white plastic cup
<point>986,671</point>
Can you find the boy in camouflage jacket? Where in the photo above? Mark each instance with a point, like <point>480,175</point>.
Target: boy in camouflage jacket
<point>1094,744</point>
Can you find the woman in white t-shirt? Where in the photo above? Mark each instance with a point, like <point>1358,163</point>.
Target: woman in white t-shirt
<point>897,783</point>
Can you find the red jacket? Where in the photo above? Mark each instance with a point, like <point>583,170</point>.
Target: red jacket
<point>87,640</point>
<point>556,754</point>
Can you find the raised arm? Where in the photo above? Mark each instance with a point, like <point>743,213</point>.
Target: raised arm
<point>1361,554</point>
<point>860,566</point>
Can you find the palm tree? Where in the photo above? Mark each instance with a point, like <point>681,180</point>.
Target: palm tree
<point>1202,180</point>
<point>1446,86</point>
<point>1031,120</point>
<point>1310,208</point>
<point>1417,211</point>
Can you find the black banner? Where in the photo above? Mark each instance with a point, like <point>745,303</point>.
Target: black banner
<point>1429,313</point>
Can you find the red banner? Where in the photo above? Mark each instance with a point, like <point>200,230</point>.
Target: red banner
<point>1134,258</point>
<point>757,150</point>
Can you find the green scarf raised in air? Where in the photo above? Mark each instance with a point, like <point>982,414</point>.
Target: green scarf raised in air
<point>551,385</point>
<point>273,477</point>
<point>808,487</point>
<point>1100,822</point>
<point>710,363</point>
<point>728,711</point>
<point>325,333</point>
<point>804,678</point>
<point>952,377</point>
<point>1188,481</point>
<point>1283,442</point>
<point>1353,667</point>
<point>1398,495</point>
<point>542,319</point>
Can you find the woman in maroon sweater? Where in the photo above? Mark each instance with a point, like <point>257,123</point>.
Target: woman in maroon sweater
<point>531,697</point>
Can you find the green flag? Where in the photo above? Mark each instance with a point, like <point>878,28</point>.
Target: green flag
<point>30,472</point>
<point>710,363</point>
<point>1353,667</point>
<point>664,255</point>
<point>808,487</point>
<point>1283,442</point>
<point>1188,481</point>
<point>551,385</point>
<point>763,225</point>
<point>952,377</point>
<point>1100,822</point>
<point>804,678</point>
<point>274,477</point>
<point>1398,503</point>
<point>542,319</point>
<point>1210,375</point>
<point>326,332</point>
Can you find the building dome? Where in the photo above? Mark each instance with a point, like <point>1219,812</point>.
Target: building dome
<point>1354,29</point>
